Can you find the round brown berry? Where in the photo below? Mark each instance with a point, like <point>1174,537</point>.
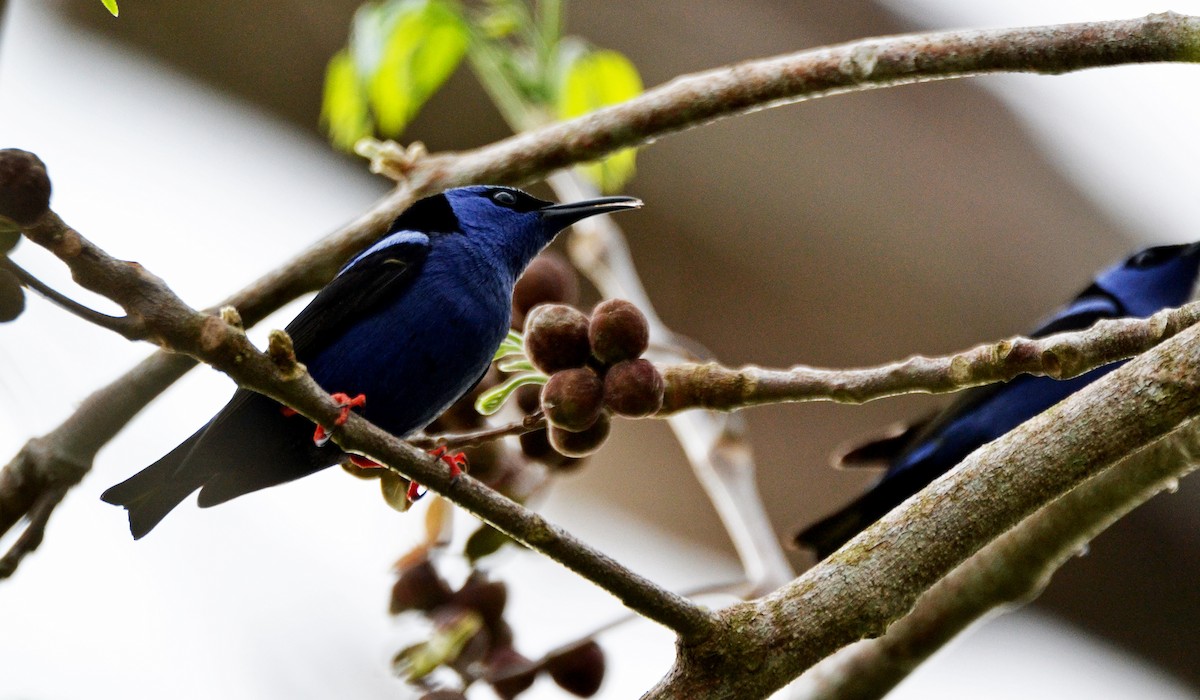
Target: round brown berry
<point>618,331</point>
<point>633,388</point>
<point>578,670</point>
<point>549,279</point>
<point>24,186</point>
<point>583,443</point>
<point>12,296</point>
<point>556,337</point>
<point>573,398</point>
<point>536,445</point>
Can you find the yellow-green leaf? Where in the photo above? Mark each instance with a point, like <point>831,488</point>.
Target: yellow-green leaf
<point>593,80</point>
<point>344,104</point>
<point>426,41</point>
<point>111,5</point>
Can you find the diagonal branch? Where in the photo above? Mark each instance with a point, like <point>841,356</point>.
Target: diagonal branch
<point>879,575</point>
<point>1013,569</point>
<point>1061,356</point>
<point>276,373</point>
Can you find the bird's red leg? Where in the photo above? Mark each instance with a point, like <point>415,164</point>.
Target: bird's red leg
<point>457,461</point>
<point>321,435</point>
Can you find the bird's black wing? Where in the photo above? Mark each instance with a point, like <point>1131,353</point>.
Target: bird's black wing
<point>251,428</point>
<point>358,290</point>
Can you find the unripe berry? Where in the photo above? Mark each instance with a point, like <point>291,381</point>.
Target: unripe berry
<point>618,331</point>
<point>549,279</point>
<point>573,398</point>
<point>12,296</point>
<point>633,388</point>
<point>556,337</point>
<point>578,670</point>
<point>24,186</point>
<point>583,443</point>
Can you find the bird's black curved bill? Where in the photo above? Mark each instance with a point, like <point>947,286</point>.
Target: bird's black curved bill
<point>566,214</point>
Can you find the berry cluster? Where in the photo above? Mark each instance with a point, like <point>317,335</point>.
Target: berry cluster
<point>24,198</point>
<point>472,638</point>
<point>595,369</point>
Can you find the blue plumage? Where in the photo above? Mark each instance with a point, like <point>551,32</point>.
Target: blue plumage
<point>412,322</point>
<point>1153,279</point>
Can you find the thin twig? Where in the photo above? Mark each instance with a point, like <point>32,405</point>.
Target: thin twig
<point>122,325</point>
<point>455,441</point>
<point>1061,356</point>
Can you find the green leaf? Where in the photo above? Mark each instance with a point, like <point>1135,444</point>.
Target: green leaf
<point>425,42</point>
<point>517,364</point>
<point>344,104</point>
<point>592,80</point>
<point>514,344</point>
<point>485,541</point>
<point>111,5</point>
<point>491,400</point>
<point>442,648</point>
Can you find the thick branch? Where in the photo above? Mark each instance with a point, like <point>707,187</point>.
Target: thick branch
<point>1061,356</point>
<point>1012,569</point>
<point>878,576</point>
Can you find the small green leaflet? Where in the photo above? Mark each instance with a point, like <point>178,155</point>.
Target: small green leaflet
<point>400,53</point>
<point>111,5</point>
<point>595,79</point>
<point>344,105</point>
<point>491,400</point>
<point>514,344</point>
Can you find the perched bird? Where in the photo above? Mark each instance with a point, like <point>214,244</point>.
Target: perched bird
<point>1153,279</point>
<point>411,322</point>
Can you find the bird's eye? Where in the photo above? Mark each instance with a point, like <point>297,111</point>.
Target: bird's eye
<point>504,198</point>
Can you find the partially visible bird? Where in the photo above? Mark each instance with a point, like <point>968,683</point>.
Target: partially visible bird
<point>412,322</point>
<point>1151,280</point>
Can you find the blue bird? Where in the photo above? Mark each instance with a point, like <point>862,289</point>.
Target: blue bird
<point>411,322</point>
<point>1151,280</point>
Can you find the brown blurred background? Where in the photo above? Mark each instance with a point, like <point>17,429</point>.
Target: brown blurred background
<point>840,232</point>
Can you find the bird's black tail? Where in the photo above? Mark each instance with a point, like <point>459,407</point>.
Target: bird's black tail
<point>827,535</point>
<point>153,492</point>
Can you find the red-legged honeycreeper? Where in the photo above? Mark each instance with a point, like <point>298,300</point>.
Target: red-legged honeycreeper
<point>1153,279</point>
<point>412,322</point>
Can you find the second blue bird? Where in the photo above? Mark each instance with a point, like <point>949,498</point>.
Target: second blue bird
<point>1151,280</point>
<point>411,322</point>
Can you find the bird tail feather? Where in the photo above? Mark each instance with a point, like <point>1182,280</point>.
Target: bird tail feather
<point>828,535</point>
<point>153,492</point>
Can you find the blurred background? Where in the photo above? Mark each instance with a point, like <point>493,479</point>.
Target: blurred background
<point>841,232</point>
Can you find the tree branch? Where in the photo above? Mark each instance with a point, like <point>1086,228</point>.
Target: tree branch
<point>877,577</point>
<point>1013,569</point>
<point>276,373</point>
<point>1061,356</point>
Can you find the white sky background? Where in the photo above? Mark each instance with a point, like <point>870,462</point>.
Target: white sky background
<point>283,593</point>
